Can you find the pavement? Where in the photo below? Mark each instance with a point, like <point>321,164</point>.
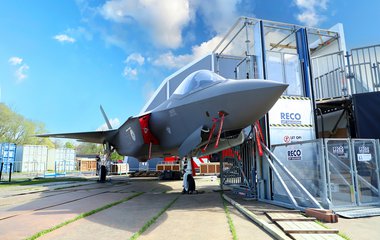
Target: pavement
<point>25,211</point>
<point>367,228</point>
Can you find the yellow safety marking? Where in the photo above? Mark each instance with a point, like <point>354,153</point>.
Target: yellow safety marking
<point>291,125</point>
<point>294,98</point>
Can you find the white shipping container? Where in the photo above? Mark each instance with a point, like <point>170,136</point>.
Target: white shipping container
<point>64,154</point>
<point>51,160</point>
<point>65,159</point>
<point>31,158</point>
<point>61,159</point>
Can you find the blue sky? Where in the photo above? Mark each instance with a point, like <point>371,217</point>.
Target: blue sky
<point>59,60</point>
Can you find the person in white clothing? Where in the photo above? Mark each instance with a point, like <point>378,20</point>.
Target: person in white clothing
<point>185,182</point>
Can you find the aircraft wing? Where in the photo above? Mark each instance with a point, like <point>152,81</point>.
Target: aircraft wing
<point>92,137</point>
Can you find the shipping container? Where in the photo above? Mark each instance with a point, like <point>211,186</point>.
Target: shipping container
<point>50,165</point>
<point>31,158</point>
<point>7,156</point>
<point>61,160</point>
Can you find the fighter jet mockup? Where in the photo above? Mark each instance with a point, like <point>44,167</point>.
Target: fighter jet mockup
<point>206,114</point>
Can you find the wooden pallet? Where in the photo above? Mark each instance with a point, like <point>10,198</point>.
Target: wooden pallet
<point>287,216</point>
<point>297,226</point>
<point>316,236</point>
<point>303,227</point>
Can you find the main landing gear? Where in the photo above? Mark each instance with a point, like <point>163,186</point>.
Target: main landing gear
<point>104,162</point>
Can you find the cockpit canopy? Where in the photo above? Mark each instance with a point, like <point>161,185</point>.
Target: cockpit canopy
<point>197,80</point>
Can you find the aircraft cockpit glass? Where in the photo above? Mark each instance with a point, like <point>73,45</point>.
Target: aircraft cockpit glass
<point>196,80</point>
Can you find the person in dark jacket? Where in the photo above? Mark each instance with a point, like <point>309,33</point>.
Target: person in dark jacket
<point>191,184</point>
<point>188,183</point>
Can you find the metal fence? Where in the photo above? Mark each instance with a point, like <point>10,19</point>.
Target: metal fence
<point>19,169</point>
<point>293,157</point>
<point>340,178</point>
<point>33,169</point>
<point>341,74</point>
<point>338,173</point>
<point>366,166</point>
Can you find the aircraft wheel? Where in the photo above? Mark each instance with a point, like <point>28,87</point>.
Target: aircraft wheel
<point>103,174</point>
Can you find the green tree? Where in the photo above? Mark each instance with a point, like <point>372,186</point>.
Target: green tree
<point>115,156</point>
<point>89,148</point>
<point>69,145</point>
<point>95,149</point>
<point>15,128</point>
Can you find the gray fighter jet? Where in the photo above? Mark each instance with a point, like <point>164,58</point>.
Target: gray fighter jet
<point>206,114</point>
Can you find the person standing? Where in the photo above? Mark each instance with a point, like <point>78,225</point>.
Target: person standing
<point>185,182</point>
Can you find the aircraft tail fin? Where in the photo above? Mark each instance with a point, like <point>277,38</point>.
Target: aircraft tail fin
<point>105,118</point>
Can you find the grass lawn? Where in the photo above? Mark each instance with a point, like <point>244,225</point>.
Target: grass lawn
<point>28,181</point>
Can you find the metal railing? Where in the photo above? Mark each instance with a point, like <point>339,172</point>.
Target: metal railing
<point>329,76</point>
<point>365,69</point>
<point>341,74</point>
<point>238,171</point>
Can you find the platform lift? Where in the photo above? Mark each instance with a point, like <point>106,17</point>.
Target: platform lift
<point>256,180</point>
<point>241,172</point>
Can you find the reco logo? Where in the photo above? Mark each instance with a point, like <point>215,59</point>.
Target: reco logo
<point>290,116</point>
<point>294,153</point>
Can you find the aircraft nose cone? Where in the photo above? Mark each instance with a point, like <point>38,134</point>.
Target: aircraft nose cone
<point>251,99</point>
<point>255,84</point>
<point>273,84</point>
<point>275,87</point>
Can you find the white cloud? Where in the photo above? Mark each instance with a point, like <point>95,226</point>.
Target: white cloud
<point>309,18</point>
<point>133,61</point>
<point>165,23</point>
<point>170,60</point>
<point>15,60</point>
<point>312,4</point>
<point>21,72</point>
<point>64,38</point>
<point>217,15</point>
<point>163,19</point>
<point>130,73</point>
<point>79,32</point>
<point>115,123</point>
<point>115,40</point>
<point>309,11</point>
<point>135,57</point>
